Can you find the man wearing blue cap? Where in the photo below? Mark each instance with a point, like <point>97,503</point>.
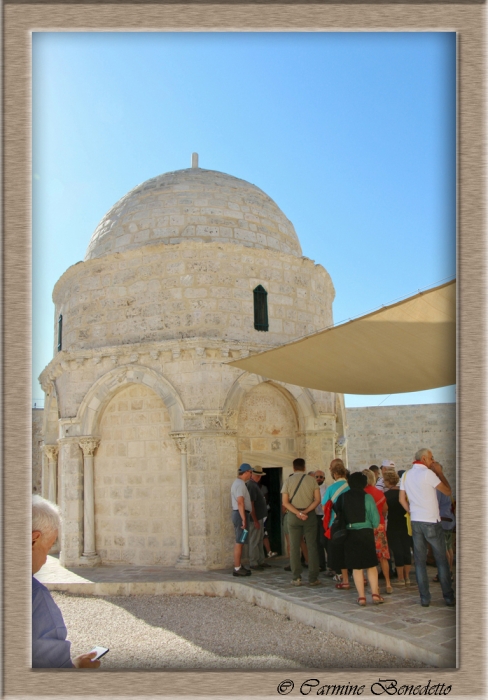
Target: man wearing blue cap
<point>241,508</point>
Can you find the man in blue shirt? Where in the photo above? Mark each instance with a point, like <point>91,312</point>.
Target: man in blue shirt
<point>50,648</point>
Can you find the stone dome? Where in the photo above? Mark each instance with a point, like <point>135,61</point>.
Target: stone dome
<point>194,205</point>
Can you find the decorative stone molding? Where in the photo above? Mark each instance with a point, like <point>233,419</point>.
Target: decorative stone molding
<point>225,351</point>
<point>175,352</point>
<point>181,440</point>
<point>340,446</point>
<point>213,423</point>
<point>134,357</point>
<point>114,359</point>
<point>88,445</point>
<point>154,354</point>
<point>51,451</point>
<point>230,420</point>
<point>200,352</point>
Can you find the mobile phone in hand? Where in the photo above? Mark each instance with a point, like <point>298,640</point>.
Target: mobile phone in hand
<point>101,651</point>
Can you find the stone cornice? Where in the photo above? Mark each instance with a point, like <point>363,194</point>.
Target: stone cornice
<point>65,361</point>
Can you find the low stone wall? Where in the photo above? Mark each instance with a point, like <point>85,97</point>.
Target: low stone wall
<point>397,432</point>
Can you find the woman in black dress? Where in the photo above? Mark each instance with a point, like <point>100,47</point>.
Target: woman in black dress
<point>399,540</point>
<point>359,514</point>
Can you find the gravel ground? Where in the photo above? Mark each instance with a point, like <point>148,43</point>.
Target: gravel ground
<point>193,632</point>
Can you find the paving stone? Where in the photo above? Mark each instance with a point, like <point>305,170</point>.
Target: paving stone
<point>395,625</point>
<point>400,617</point>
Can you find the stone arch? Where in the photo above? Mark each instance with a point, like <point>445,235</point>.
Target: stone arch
<point>93,404</point>
<point>299,397</point>
<point>268,426</point>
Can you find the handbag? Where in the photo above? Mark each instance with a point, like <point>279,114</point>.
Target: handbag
<point>338,530</point>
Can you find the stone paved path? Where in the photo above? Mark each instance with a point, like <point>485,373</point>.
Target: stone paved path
<point>400,625</point>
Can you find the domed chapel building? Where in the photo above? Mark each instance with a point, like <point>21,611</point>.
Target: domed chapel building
<point>144,422</point>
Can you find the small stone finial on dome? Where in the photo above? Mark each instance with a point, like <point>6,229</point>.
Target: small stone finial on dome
<point>194,160</point>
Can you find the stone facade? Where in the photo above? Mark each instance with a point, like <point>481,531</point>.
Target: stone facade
<point>190,290</point>
<point>37,442</point>
<point>397,432</point>
<point>131,479</point>
<point>145,423</point>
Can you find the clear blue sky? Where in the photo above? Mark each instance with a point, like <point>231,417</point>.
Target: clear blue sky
<point>352,135</point>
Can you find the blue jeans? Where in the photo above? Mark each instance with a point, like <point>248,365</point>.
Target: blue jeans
<point>433,534</point>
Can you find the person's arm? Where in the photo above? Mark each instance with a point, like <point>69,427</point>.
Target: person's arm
<point>444,486</point>
<point>289,506</point>
<point>316,501</point>
<point>242,510</point>
<point>402,498</point>
<point>372,513</point>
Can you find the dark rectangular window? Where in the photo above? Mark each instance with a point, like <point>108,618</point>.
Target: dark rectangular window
<point>60,332</point>
<point>260,309</point>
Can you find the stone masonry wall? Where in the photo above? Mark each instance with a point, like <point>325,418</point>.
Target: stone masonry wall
<point>37,441</point>
<point>397,432</point>
<point>190,290</point>
<point>267,422</point>
<point>194,203</point>
<point>137,482</point>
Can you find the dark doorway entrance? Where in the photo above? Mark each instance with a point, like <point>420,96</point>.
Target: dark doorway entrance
<point>273,481</point>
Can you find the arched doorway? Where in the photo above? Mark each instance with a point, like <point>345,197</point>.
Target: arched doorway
<point>267,428</point>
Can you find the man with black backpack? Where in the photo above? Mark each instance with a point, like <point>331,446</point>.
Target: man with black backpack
<point>301,495</point>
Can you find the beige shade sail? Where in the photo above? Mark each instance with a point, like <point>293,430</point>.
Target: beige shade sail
<point>408,346</point>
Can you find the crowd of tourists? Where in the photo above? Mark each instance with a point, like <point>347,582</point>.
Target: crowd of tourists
<point>370,525</point>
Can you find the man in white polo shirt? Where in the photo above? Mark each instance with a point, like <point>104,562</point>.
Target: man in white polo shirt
<point>419,486</point>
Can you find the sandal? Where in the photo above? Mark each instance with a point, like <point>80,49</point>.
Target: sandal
<point>389,590</point>
<point>343,586</point>
<point>361,602</point>
<point>377,599</point>
<point>337,577</point>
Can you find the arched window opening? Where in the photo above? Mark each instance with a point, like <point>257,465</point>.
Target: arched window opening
<point>60,332</point>
<point>260,309</point>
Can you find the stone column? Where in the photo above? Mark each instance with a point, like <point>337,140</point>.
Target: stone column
<point>181,440</point>
<point>89,556</point>
<point>51,452</point>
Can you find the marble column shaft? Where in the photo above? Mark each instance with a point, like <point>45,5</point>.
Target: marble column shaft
<point>88,445</point>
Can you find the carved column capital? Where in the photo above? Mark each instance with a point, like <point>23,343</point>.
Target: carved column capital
<point>340,446</point>
<point>51,452</point>
<point>181,440</point>
<point>88,445</point>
